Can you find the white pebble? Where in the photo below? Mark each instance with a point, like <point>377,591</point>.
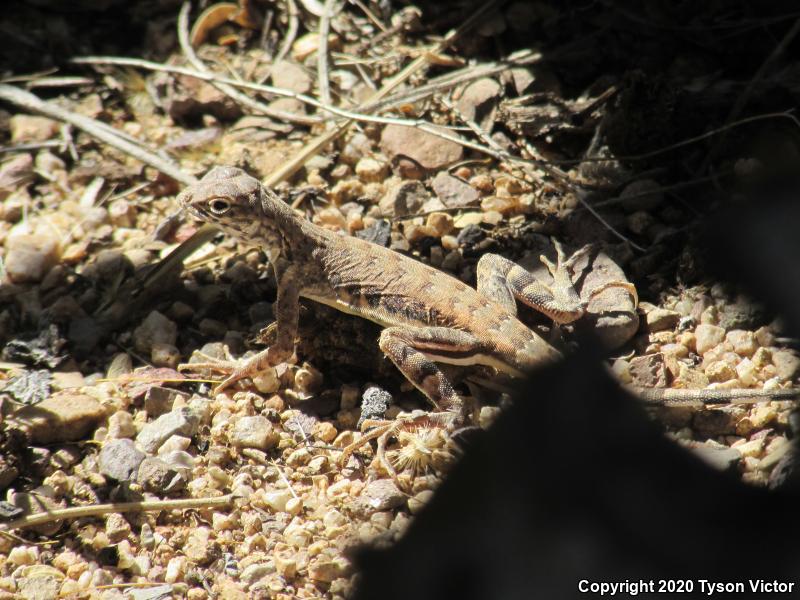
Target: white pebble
<point>746,372</point>
<point>707,337</point>
<point>176,567</point>
<point>277,500</point>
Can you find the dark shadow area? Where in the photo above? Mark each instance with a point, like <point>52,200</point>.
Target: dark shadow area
<point>602,495</point>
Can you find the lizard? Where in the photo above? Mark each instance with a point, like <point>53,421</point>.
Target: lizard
<point>428,316</point>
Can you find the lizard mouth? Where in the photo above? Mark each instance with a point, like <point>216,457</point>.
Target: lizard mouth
<point>227,225</point>
<point>198,214</point>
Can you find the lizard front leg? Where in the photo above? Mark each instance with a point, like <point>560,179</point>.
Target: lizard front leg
<point>414,349</point>
<point>287,311</point>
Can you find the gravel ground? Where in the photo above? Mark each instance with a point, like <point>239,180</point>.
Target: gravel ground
<point>94,409</point>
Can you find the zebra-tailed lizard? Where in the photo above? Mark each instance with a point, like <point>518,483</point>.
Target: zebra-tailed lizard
<point>428,316</point>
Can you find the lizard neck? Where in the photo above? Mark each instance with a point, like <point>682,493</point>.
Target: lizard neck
<point>284,232</point>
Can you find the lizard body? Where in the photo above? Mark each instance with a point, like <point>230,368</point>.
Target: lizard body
<point>428,316</point>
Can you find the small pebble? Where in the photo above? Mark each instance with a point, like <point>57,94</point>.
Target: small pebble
<point>181,421</point>
<point>720,371</point>
<point>328,570</point>
<point>198,548</point>
<point>753,448</point>
<point>746,372</point>
<point>294,506</point>
<point>165,355</point>
<point>370,170</point>
<point>119,459</point>
<point>762,415</point>
<point>453,192</point>
<point>707,337</point>
<point>787,364</point>
<point>660,319</point>
<point>156,328</point>
<point>254,432</point>
<point>743,342</point>
<point>416,503</point>
<point>425,149</point>
<point>379,495</point>
<point>325,432</point>
<point>29,257</point>
<point>375,402</point>
<point>120,425</point>
<point>23,555</point>
<point>117,528</point>
<point>267,381</point>
<point>159,477</point>
<point>31,128</point>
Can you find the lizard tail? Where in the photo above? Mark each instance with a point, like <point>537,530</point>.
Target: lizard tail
<point>689,397</point>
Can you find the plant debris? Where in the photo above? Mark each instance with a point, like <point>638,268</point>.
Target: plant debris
<point>442,131</point>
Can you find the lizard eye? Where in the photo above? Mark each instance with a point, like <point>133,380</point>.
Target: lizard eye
<point>219,206</point>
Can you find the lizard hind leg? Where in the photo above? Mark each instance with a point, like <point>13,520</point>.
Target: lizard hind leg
<point>564,269</point>
<point>410,348</point>
<point>503,280</point>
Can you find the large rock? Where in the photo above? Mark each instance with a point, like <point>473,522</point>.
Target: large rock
<point>430,151</point>
<point>610,315</point>
<point>29,257</point>
<point>65,417</point>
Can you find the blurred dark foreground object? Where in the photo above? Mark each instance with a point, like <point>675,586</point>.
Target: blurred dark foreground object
<point>598,494</point>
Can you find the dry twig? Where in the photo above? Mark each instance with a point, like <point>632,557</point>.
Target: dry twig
<point>227,89</point>
<point>93,510</point>
<point>324,139</point>
<point>291,32</point>
<point>323,80</point>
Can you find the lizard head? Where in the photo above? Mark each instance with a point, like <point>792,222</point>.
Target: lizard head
<point>237,203</point>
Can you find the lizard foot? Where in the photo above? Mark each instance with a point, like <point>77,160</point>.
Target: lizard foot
<point>562,271</point>
<point>420,435</point>
<point>235,369</point>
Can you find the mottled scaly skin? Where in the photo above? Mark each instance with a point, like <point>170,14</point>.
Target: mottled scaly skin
<point>368,280</point>
<point>392,290</point>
